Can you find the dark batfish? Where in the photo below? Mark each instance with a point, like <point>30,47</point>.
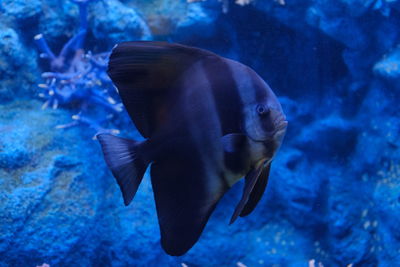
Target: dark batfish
<point>208,121</point>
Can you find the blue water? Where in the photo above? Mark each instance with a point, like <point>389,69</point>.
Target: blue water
<point>333,196</point>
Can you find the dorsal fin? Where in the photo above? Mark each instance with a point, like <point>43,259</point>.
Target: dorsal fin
<point>145,73</point>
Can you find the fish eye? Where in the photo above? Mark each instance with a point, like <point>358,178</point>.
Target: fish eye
<point>261,109</point>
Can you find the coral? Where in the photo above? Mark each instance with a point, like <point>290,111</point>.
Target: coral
<point>16,63</point>
<point>387,193</point>
<point>21,10</point>
<point>116,23</point>
<point>225,3</point>
<point>78,79</point>
<point>389,66</point>
<point>384,6</point>
<point>42,199</point>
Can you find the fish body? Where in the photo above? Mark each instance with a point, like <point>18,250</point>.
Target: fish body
<point>208,121</point>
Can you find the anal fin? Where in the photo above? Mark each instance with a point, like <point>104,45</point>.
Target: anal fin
<point>185,198</point>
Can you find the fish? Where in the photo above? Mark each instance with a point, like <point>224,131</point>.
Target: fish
<point>207,122</point>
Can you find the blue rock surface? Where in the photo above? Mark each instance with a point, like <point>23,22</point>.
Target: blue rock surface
<point>334,190</point>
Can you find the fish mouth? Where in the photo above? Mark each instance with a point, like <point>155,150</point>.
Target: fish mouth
<point>282,125</point>
<point>277,134</point>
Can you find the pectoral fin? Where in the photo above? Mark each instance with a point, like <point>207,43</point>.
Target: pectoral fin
<point>234,142</point>
<point>236,152</point>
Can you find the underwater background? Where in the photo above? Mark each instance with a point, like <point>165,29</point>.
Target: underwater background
<point>333,197</point>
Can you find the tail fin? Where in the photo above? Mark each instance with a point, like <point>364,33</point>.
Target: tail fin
<point>125,161</point>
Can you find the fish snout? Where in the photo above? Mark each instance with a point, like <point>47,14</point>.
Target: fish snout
<point>279,122</point>
<point>266,124</point>
<point>281,125</point>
